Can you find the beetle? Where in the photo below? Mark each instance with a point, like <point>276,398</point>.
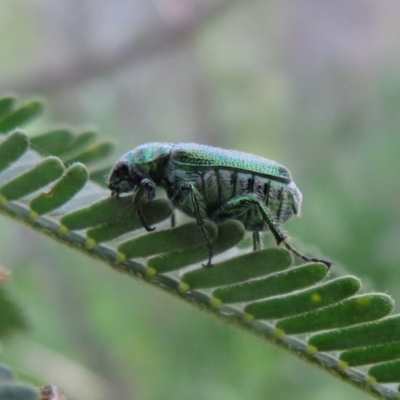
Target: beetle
<point>210,183</point>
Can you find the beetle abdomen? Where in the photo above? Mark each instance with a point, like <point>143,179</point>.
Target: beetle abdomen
<point>218,186</point>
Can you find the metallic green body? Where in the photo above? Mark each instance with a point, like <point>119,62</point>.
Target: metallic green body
<point>188,155</point>
<point>209,183</point>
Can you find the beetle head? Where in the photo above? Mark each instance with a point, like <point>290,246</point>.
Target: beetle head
<point>121,179</point>
<point>145,161</point>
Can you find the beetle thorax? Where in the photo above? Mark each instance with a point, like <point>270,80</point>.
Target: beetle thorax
<point>148,160</point>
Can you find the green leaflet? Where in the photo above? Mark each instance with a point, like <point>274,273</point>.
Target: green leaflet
<point>372,333</point>
<point>39,176</point>
<point>72,181</point>
<point>95,153</point>
<point>229,234</point>
<point>64,143</point>
<point>81,143</point>
<point>154,213</point>
<point>371,354</point>
<point>316,297</point>
<point>12,147</point>
<point>352,311</point>
<point>229,272</point>
<point>162,241</point>
<point>20,116</point>
<point>6,106</point>
<point>386,372</point>
<point>276,284</point>
<point>111,211</point>
<point>53,142</point>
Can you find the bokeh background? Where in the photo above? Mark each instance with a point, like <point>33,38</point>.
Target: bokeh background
<point>312,84</point>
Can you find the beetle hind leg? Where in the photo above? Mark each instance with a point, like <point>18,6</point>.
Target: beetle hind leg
<point>237,206</point>
<point>304,257</point>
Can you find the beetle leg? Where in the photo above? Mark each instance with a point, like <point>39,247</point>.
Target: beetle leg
<point>173,219</point>
<point>304,257</point>
<point>181,195</point>
<point>256,241</point>
<point>143,221</point>
<point>144,193</point>
<point>241,204</point>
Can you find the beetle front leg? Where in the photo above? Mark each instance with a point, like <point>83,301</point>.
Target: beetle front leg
<point>143,194</point>
<point>188,192</point>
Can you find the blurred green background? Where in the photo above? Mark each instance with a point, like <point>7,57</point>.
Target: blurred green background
<point>314,85</point>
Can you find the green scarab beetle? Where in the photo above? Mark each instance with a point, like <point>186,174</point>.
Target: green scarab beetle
<point>209,183</point>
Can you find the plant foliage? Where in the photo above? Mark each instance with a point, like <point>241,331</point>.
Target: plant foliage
<point>327,321</point>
